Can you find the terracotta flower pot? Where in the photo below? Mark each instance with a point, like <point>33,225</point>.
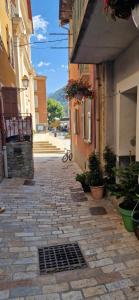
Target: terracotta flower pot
<point>97,192</point>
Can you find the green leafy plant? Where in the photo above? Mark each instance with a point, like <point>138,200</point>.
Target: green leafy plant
<point>95,175</point>
<point>83,178</point>
<point>78,87</point>
<point>128,182</point>
<point>110,164</point>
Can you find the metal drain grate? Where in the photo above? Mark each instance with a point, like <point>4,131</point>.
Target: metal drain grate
<point>29,182</point>
<point>60,258</point>
<point>98,211</point>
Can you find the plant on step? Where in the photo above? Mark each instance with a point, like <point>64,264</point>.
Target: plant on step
<point>96,177</point>
<point>127,188</point>
<point>128,181</point>
<point>83,179</point>
<point>110,164</point>
<point>120,8</point>
<point>95,174</point>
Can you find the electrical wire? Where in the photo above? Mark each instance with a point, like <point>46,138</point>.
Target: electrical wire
<point>40,42</point>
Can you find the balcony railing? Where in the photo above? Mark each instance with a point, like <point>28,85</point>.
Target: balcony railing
<point>16,128</point>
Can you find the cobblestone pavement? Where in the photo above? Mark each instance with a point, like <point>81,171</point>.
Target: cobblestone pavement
<point>47,214</point>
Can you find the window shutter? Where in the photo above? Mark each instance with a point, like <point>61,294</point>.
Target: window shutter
<point>75,121</point>
<point>89,120</point>
<point>83,121</point>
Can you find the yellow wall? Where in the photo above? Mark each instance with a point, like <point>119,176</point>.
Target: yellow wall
<point>7,73</point>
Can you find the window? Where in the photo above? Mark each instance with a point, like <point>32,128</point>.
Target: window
<point>1,37</point>
<point>87,120</point>
<point>11,53</point>
<point>37,118</point>
<point>36,101</point>
<point>8,42</point>
<point>35,85</point>
<point>76,121</point>
<point>7,7</point>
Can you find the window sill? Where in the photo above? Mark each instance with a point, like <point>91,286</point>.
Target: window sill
<point>87,141</point>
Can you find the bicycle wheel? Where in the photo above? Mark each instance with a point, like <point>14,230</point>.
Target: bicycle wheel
<point>70,156</point>
<point>65,158</point>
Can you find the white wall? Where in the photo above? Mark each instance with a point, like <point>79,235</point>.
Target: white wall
<point>126,76</point>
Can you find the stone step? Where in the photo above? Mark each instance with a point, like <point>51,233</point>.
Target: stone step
<point>48,151</point>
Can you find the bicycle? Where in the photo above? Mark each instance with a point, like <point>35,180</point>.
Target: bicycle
<point>67,156</point>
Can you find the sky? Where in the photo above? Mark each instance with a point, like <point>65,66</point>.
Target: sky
<point>52,63</point>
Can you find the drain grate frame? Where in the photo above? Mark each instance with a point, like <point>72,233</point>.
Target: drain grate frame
<point>29,182</point>
<point>98,211</point>
<point>59,258</point>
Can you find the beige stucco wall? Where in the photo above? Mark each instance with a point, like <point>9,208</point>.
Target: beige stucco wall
<point>126,77</point>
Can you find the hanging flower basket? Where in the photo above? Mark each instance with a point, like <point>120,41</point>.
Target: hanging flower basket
<point>120,8</point>
<point>78,89</point>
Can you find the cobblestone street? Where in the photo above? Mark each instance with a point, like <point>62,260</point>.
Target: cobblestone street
<point>49,213</point>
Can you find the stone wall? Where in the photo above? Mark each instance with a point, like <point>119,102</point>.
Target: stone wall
<point>20,159</point>
<point>1,160</point>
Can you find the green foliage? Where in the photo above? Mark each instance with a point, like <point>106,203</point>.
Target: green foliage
<point>55,110</point>
<point>59,96</point>
<point>110,164</point>
<point>128,182</point>
<point>75,87</point>
<point>95,174</point>
<point>83,178</point>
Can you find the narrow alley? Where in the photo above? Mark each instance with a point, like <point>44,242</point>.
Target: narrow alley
<point>55,211</point>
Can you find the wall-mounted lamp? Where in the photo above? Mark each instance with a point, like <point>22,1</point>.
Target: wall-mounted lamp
<point>25,82</point>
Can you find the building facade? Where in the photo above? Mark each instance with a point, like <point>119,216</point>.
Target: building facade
<point>40,103</point>
<point>15,63</point>
<point>113,48</point>
<point>82,116</point>
<point>22,30</point>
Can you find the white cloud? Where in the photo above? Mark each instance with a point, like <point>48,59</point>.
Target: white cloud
<point>40,37</point>
<point>64,67</point>
<point>43,63</point>
<point>40,24</point>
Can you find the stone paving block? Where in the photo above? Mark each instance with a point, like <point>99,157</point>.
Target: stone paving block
<point>118,285</point>
<point>94,291</point>
<point>114,268</point>
<point>74,295</point>
<point>44,297</point>
<point>118,295</point>
<point>79,284</point>
<point>57,288</point>
<point>4,295</point>
<point>100,263</point>
<point>25,291</point>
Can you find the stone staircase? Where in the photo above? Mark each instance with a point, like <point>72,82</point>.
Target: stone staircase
<point>46,147</point>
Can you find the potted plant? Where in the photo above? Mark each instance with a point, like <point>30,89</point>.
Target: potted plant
<point>120,8</point>
<point>135,214</point>
<point>83,179</point>
<point>126,188</point>
<point>96,177</point>
<point>110,164</point>
<point>78,89</point>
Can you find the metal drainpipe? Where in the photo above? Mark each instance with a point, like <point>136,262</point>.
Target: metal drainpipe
<point>4,146</point>
<point>97,110</point>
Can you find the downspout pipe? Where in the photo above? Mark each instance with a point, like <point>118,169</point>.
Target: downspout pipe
<point>3,138</point>
<point>97,114</point>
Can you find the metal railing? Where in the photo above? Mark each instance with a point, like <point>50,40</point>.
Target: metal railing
<point>16,128</point>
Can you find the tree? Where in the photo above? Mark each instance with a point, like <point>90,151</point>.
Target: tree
<point>55,110</point>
